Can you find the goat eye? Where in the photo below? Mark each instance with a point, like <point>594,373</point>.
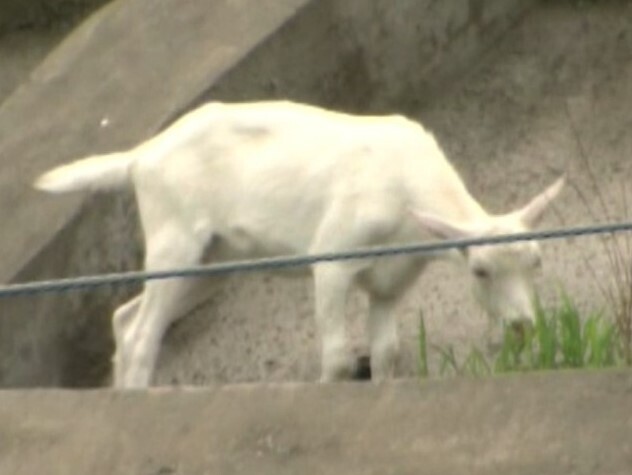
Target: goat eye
<point>480,273</point>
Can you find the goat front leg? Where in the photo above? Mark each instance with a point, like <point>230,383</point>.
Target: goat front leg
<point>382,330</point>
<point>332,284</point>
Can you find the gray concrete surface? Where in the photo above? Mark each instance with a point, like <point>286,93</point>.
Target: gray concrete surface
<point>548,424</point>
<point>139,66</point>
<point>30,30</point>
<point>35,14</point>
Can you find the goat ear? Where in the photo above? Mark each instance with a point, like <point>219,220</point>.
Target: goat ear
<point>532,213</point>
<point>440,227</point>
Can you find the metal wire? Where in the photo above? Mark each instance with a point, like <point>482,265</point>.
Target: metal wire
<point>126,278</point>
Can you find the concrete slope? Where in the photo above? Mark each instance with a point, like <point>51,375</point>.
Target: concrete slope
<point>548,424</point>
<point>30,30</point>
<point>35,14</point>
<point>132,59</point>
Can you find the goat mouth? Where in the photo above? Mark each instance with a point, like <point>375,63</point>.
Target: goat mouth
<point>519,329</point>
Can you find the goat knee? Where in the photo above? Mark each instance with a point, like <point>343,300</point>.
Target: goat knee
<point>123,316</point>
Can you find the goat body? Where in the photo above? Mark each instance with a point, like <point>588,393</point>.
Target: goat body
<point>271,178</point>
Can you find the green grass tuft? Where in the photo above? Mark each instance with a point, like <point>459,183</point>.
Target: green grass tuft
<point>560,338</point>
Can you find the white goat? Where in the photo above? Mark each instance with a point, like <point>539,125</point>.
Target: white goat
<point>270,178</point>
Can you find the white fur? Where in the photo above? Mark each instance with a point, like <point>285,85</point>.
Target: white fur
<point>270,178</point>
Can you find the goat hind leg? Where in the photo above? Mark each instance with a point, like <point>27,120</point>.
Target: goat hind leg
<point>121,321</point>
<point>162,302</point>
<point>197,293</point>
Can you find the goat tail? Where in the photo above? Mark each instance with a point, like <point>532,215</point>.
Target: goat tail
<point>96,173</point>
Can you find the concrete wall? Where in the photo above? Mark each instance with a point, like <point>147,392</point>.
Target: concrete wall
<point>549,424</point>
<point>340,54</point>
